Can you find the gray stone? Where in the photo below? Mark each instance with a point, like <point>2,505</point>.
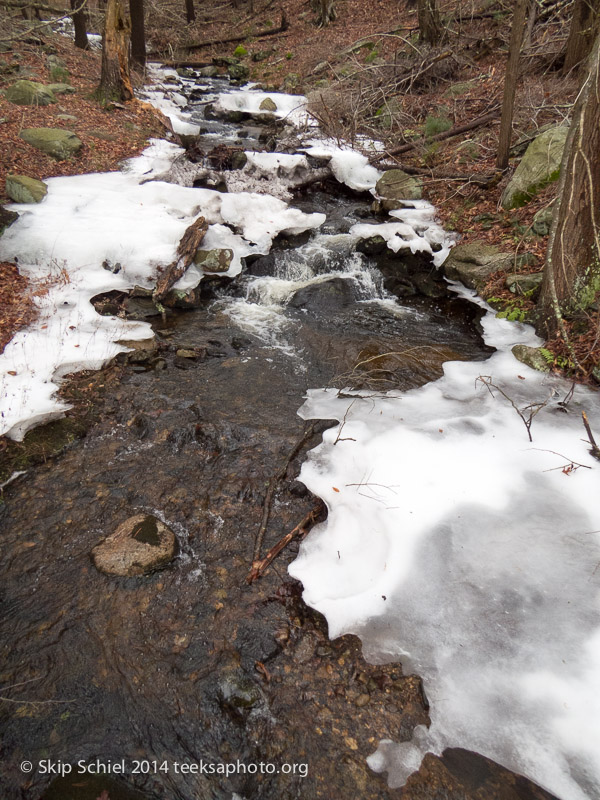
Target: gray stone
<point>59,74</point>
<point>67,117</point>
<point>56,142</point>
<point>238,72</point>
<point>61,88</point>
<point>7,218</point>
<point>140,545</point>
<point>22,189</point>
<point>208,72</point>
<point>531,356</point>
<point>325,297</point>
<point>524,284</point>
<point>268,105</point>
<point>29,93</point>
<point>395,185</point>
<point>539,166</point>
<point>239,694</point>
<point>542,221</point>
<point>372,246</point>
<point>218,260</point>
<point>473,263</point>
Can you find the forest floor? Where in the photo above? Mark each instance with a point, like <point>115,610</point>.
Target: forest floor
<point>364,75</point>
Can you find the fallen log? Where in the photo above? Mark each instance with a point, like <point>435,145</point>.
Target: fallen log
<point>230,39</point>
<point>456,131</point>
<point>186,250</point>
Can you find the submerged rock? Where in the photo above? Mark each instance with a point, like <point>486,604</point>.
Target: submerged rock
<point>539,166</point>
<point>22,189</point>
<point>140,545</point>
<point>55,142</point>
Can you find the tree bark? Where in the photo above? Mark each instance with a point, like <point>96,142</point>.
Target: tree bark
<point>581,33</point>
<point>510,82</point>
<point>138,33</point>
<point>186,250</point>
<point>190,11</point>
<point>115,82</point>
<point>80,24</point>
<point>572,270</point>
<point>430,24</point>
<point>325,11</point>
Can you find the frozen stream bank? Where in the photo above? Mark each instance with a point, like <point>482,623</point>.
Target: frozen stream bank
<point>453,544</point>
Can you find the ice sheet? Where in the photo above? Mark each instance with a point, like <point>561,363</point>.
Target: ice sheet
<point>455,545</point>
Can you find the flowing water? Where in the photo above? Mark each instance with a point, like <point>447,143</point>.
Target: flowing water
<point>191,663</point>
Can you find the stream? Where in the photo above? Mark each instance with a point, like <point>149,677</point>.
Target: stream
<point>191,664</point>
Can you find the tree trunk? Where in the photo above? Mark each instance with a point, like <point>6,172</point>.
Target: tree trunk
<point>190,12</point>
<point>325,11</point>
<point>115,83</point>
<point>572,270</point>
<point>581,33</point>
<point>430,24</point>
<point>138,34</point>
<point>510,82</point>
<point>80,24</point>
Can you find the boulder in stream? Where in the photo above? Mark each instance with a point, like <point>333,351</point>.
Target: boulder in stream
<point>140,545</point>
<point>325,296</point>
<point>394,186</point>
<point>474,262</point>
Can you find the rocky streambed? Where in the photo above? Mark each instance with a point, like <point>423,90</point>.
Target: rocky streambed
<point>181,661</point>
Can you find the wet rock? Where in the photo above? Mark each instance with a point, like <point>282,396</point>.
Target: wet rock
<point>239,694</point>
<point>140,545</point>
<point>141,351</point>
<point>218,260</point>
<point>254,642</point>
<point>185,299</point>
<point>524,284</point>
<point>183,353</point>
<point>305,650</point>
<point>394,186</point>
<point>22,189</point>
<point>268,105</point>
<point>539,166</point>
<point>326,296</point>
<point>7,218</point>
<point>430,285</point>
<point>461,775</point>
<point>29,93</point>
<point>372,246</point>
<point>55,142</point>
<point>531,356</point>
<point>139,308</point>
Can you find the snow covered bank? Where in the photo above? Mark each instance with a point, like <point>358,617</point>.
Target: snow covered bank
<point>131,229</point>
<point>470,554</point>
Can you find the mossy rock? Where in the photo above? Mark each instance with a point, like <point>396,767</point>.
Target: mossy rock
<point>61,88</point>
<point>268,105</point>
<point>23,189</point>
<point>217,260</point>
<point>59,74</point>
<point>55,142</point>
<point>542,221</point>
<point>539,166</point>
<point>531,356</point>
<point>473,263</point>
<point>395,185</point>
<point>29,93</point>
<point>7,218</point>
<point>238,72</point>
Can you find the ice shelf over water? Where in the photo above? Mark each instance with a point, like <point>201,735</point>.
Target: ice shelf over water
<point>458,547</point>
<point>133,229</point>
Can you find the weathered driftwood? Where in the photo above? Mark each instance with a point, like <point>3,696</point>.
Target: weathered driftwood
<point>186,250</point>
